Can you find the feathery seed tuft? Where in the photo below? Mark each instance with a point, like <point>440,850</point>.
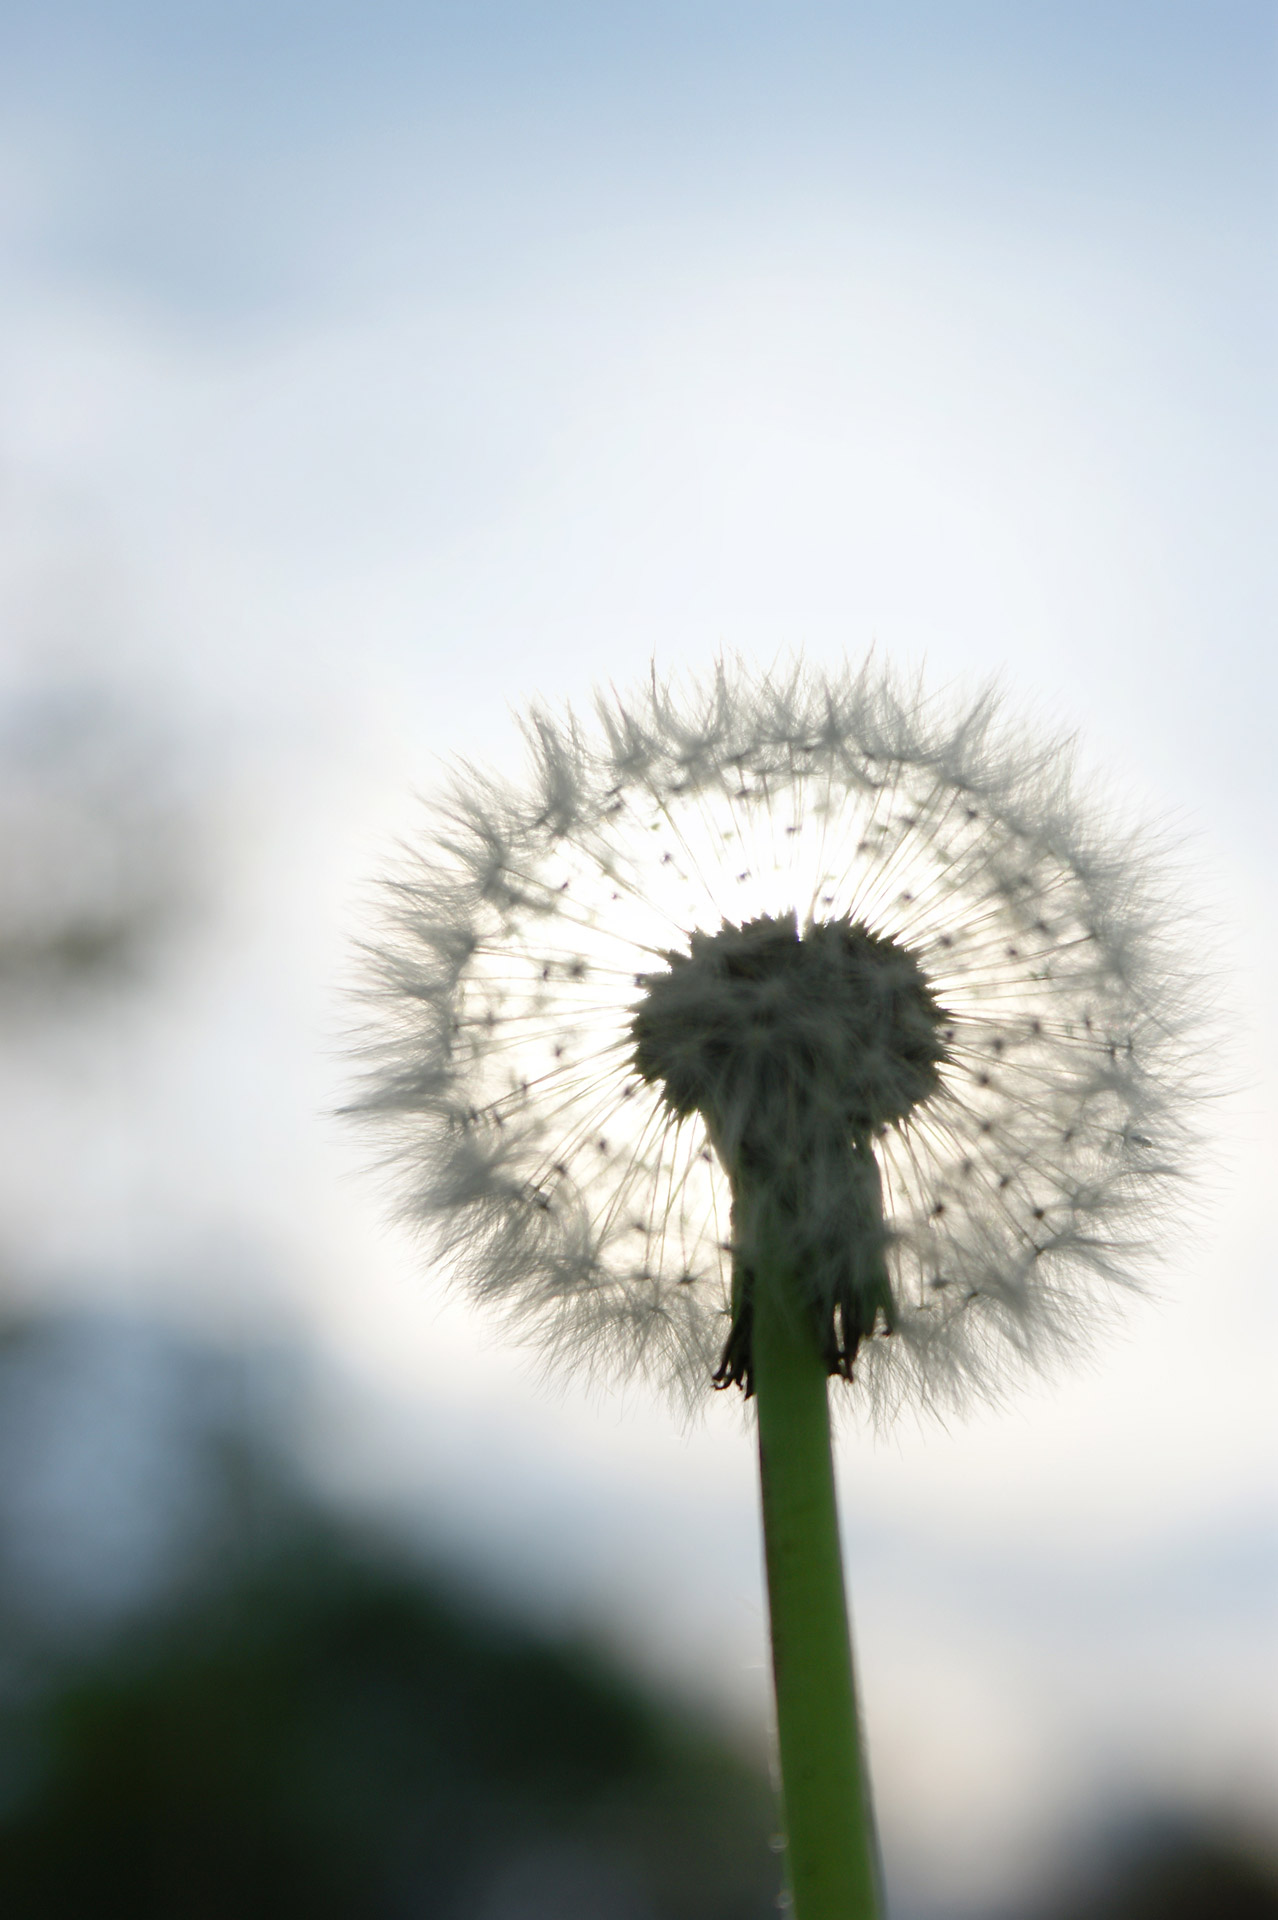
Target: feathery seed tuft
<point>938,1015</point>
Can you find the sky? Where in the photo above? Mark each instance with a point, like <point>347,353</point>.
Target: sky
<point>367,373</point>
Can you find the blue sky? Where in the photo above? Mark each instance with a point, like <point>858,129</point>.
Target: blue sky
<point>233,164</point>
<point>364,372</point>
<point>1018,256</point>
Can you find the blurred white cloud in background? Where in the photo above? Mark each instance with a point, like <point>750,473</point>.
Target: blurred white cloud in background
<point>363,373</point>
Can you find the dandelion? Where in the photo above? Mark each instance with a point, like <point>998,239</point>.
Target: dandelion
<point>785,1031</point>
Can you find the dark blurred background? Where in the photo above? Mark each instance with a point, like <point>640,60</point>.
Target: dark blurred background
<point>221,1696</point>
<point>362,370</point>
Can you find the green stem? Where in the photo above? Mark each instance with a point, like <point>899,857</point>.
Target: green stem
<point>829,1828</point>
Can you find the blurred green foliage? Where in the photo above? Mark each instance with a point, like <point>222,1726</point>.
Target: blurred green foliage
<point>329,1736</point>
<point>279,1713</point>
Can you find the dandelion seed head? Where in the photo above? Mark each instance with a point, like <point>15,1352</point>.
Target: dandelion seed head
<point>812,926</point>
<point>757,1025</point>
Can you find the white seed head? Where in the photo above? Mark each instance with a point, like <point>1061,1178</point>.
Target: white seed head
<point>967,989</point>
